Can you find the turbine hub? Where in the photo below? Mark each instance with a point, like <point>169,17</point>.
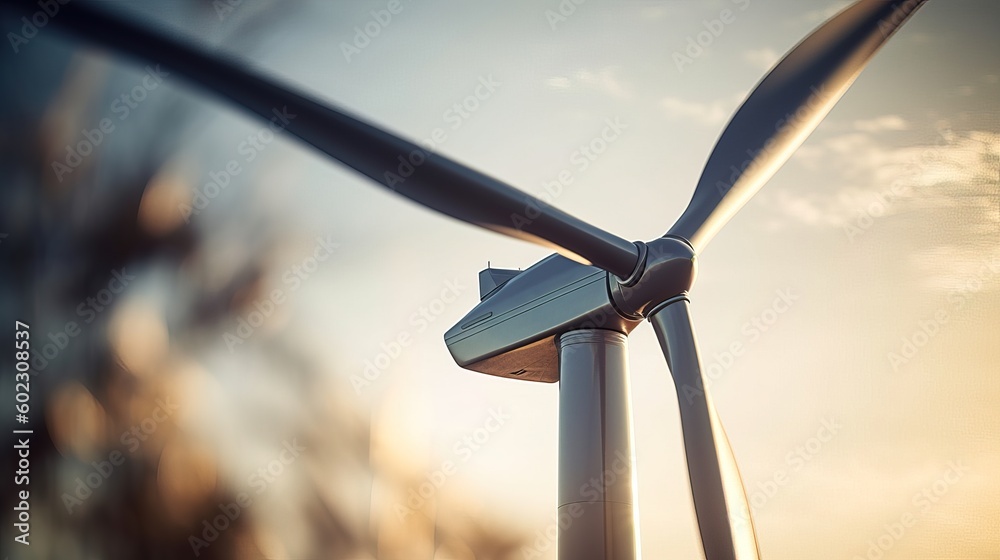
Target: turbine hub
<point>667,269</point>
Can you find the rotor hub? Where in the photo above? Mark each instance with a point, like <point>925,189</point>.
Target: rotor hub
<point>667,269</point>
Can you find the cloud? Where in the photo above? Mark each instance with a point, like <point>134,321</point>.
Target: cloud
<point>952,184</point>
<point>603,80</point>
<point>764,58</point>
<point>806,210</point>
<point>820,15</point>
<point>860,157</point>
<point>711,113</point>
<point>968,268</point>
<point>653,12</point>
<point>879,124</point>
<point>948,192</point>
<point>558,82</point>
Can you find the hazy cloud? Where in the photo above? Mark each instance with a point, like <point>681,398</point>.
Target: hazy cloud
<point>709,113</point>
<point>558,82</point>
<point>879,124</point>
<point>763,58</point>
<point>955,178</point>
<point>653,12</point>
<point>822,14</point>
<point>603,80</point>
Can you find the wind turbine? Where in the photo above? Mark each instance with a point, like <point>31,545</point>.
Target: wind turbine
<point>567,319</point>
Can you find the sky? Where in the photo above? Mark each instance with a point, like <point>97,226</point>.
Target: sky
<point>863,282</point>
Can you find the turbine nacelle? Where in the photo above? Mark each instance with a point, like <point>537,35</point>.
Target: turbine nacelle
<point>512,333</point>
<point>513,330</point>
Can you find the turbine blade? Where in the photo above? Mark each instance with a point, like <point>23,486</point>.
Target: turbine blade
<point>398,164</point>
<point>720,502</point>
<point>784,109</point>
